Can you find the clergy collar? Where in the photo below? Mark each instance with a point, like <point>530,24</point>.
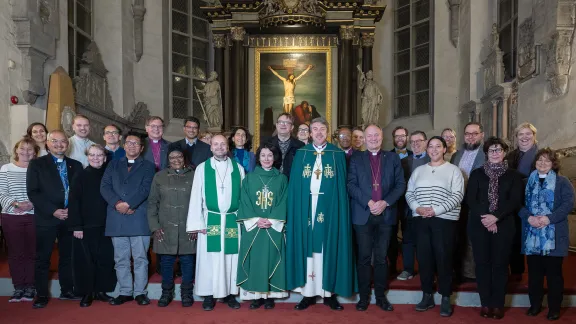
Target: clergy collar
<point>321,147</point>
<point>218,160</point>
<point>348,150</point>
<point>374,153</point>
<point>56,159</point>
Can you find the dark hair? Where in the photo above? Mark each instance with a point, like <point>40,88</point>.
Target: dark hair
<point>193,120</point>
<point>275,151</point>
<point>341,128</point>
<point>153,118</point>
<point>287,115</point>
<point>112,125</point>
<point>135,135</point>
<point>358,128</point>
<point>399,128</point>
<point>247,146</point>
<point>437,138</point>
<point>476,124</point>
<point>493,140</point>
<point>29,129</point>
<point>552,155</point>
<point>424,135</point>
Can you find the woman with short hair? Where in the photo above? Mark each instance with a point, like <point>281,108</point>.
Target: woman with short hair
<point>18,220</point>
<point>494,196</point>
<point>435,191</point>
<point>549,198</point>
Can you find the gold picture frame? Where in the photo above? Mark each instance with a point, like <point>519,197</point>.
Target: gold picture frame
<point>259,52</point>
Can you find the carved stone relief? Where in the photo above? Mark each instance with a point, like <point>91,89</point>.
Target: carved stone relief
<point>526,49</point>
<point>138,11</point>
<point>454,6</point>
<point>91,84</point>
<point>367,39</point>
<point>493,64</point>
<point>219,40</point>
<point>237,33</point>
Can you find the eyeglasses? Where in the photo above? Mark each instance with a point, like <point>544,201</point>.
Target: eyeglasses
<point>132,143</point>
<point>54,141</point>
<point>471,134</point>
<point>191,127</point>
<point>111,133</point>
<point>156,126</point>
<point>92,155</point>
<point>284,122</point>
<point>495,151</point>
<point>174,158</point>
<point>417,141</point>
<point>448,137</point>
<point>342,136</point>
<point>303,130</point>
<point>543,161</point>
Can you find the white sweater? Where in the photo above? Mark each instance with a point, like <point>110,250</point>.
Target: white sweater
<point>12,187</point>
<point>440,187</point>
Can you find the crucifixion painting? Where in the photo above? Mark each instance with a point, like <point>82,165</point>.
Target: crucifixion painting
<point>290,81</point>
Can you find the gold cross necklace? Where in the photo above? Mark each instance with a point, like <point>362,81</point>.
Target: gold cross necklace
<point>375,177</point>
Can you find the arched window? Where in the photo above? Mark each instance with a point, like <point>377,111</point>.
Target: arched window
<point>80,32</point>
<point>508,29</point>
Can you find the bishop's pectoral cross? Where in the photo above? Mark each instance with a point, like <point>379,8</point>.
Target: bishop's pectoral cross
<point>375,186</point>
<point>318,172</point>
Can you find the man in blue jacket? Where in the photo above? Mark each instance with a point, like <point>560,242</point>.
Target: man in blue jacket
<point>125,186</point>
<point>375,184</point>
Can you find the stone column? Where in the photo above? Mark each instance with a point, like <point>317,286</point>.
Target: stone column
<point>367,45</point>
<point>495,117</point>
<point>344,79</point>
<point>220,42</point>
<point>237,105</point>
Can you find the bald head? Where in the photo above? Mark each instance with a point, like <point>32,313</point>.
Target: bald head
<point>373,137</point>
<point>57,143</point>
<point>219,146</point>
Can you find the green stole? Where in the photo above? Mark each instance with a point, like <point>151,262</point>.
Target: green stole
<point>214,230</point>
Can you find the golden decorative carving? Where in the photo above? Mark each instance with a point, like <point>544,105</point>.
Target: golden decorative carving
<point>219,40</point>
<point>237,33</point>
<point>367,39</point>
<point>346,32</point>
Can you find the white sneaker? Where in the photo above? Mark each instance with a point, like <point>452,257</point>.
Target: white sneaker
<point>405,275</point>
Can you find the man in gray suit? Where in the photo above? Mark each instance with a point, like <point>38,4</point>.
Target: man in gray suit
<point>125,186</point>
<point>468,158</point>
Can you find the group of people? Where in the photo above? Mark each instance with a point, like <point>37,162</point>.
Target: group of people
<point>300,214</point>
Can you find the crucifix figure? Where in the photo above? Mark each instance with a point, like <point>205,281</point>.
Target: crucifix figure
<point>312,276</point>
<point>290,81</point>
<point>317,172</point>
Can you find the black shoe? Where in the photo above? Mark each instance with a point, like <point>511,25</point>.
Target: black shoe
<point>384,304</point>
<point>426,303</point>
<point>362,305</point>
<point>333,303</point>
<point>232,302</point>
<point>87,300</point>
<point>69,296</point>
<point>186,294</point>
<point>485,312</point>
<point>208,303</point>
<point>142,300</point>
<point>167,295</point>
<point>553,315</point>
<point>40,302</point>
<point>446,307</point>
<point>269,303</point>
<point>257,303</point>
<point>305,303</point>
<point>102,296</point>
<point>121,299</point>
<point>534,311</point>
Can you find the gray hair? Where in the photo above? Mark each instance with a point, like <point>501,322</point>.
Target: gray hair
<point>320,120</point>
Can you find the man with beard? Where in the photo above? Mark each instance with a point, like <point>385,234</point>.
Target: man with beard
<point>80,142</point>
<point>400,138</point>
<point>345,141</point>
<point>469,158</point>
<point>318,229</point>
<point>418,142</point>
<point>286,144</point>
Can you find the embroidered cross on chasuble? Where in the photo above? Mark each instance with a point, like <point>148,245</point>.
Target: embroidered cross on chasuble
<point>214,224</point>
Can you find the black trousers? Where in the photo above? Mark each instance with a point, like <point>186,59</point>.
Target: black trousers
<point>551,267</point>
<point>393,249</point>
<point>374,237</point>
<point>461,242</point>
<point>93,257</point>
<point>517,262</point>
<point>45,238</point>
<point>491,254</point>
<point>435,246</point>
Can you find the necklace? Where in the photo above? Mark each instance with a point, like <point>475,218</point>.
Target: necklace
<point>318,167</point>
<point>220,178</point>
<point>265,195</point>
<point>375,177</point>
<point>434,168</point>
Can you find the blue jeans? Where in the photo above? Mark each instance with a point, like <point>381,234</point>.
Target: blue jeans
<point>408,243</point>
<point>187,264</point>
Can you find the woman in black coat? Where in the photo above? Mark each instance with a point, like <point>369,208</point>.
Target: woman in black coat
<point>494,196</point>
<point>93,253</point>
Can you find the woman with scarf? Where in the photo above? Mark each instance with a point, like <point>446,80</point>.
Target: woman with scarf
<point>548,201</point>
<point>494,196</point>
<point>240,144</point>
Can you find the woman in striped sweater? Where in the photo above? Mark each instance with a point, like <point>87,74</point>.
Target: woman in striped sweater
<point>435,191</point>
<point>18,220</point>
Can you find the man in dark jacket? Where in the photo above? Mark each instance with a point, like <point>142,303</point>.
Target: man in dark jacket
<point>125,187</point>
<point>195,151</point>
<point>155,148</point>
<point>287,144</point>
<point>47,181</point>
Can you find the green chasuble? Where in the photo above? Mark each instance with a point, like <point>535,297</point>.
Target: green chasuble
<point>261,265</point>
<point>332,233</point>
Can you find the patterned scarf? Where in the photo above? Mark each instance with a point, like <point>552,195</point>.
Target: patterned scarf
<point>540,201</point>
<point>494,171</point>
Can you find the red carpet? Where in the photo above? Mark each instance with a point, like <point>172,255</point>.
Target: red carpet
<point>69,312</point>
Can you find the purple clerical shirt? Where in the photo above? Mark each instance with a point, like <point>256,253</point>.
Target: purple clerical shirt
<point>155,146</point>
<point>376,175</point>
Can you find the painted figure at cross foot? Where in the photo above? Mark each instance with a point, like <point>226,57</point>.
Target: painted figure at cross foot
<point>319,236</point>
<point>289,87</point>
<point>212,214</point>
<point>262,216</point>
